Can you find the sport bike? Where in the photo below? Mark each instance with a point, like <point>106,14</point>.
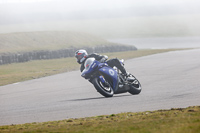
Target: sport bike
<point>109,81</point>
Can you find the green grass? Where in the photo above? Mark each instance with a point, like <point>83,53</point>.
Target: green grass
<point>35,69</point>
<point>180,120</point>
<point>18,72</point>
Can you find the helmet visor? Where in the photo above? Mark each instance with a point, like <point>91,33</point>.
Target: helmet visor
<point>79,56</point>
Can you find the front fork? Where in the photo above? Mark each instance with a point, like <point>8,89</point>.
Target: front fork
<point>102,79</point>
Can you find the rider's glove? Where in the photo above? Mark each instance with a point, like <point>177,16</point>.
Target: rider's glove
<point>104,59</point>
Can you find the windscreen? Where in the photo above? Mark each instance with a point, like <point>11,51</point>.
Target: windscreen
<point>88,63</point>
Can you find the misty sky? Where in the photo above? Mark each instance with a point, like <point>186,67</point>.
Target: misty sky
<point>102,17</point>
<point>16,11</point>
<point>76,5</point>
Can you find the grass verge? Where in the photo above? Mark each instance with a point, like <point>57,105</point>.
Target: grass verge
<point>179,120</point>
<point>18,72</point>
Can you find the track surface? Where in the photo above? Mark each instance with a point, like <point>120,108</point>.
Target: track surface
<point>169,80</point>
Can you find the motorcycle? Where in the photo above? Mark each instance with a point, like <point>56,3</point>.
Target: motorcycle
<point>109,81</point>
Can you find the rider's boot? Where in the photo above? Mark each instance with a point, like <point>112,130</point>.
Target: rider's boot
<point>125,75</point>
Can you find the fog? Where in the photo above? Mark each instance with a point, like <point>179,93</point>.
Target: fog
<point>101,17</point>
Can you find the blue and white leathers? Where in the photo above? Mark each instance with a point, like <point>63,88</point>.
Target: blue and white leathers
<point>104,72</point>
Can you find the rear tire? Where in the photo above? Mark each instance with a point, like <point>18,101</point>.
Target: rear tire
<point>135,87</point>
<point>103,90</point>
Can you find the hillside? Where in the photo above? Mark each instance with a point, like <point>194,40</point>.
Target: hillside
<point>27,46</point>
<point>51,40</point>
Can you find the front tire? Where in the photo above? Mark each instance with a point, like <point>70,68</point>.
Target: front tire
<point>106,91</point>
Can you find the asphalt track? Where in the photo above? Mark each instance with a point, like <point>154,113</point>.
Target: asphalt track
<point>169,80</point>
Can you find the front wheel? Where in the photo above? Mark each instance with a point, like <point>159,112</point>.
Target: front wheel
<point>103,89</point>
<point>135,86</point>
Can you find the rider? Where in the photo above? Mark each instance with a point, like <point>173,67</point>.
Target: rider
<point>82,55</point>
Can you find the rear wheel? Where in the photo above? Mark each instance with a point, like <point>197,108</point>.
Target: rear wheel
<point>103,89</point>
<point>135,86</point>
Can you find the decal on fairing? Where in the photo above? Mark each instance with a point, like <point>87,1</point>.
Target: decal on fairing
<point>111,72</point>
<point>93,65</point>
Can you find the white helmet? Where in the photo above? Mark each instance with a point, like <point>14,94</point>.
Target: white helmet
<point>81,55</point>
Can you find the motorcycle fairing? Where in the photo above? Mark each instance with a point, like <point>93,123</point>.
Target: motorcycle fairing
<point>90,64</point>
<point>108,72</point>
